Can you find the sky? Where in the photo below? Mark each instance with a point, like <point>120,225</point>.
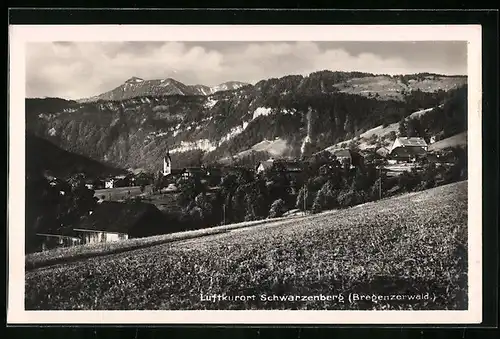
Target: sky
<point>75,70</point>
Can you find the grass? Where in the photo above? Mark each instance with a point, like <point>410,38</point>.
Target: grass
<point>410,244</point>
<point>119,193</point>
<point>454,141</point>
<point>75,253</point>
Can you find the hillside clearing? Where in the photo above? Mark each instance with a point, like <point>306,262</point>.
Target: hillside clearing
<point>454,141</point>
<point>411,244</point>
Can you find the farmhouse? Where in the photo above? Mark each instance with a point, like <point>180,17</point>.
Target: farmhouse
<point>279,165</point>
<point>348,157</point>
<point>407,149</point>
<point>109,183</point>
<point>191,172</point>
<point>117,181</point>
<point>113,221</point>
<point>264,166</point>
<point>89,183</point>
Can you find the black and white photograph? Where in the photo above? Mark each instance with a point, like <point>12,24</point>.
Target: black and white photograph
<point>221,169</point>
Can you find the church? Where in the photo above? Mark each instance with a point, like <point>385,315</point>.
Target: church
<point>186,172</point>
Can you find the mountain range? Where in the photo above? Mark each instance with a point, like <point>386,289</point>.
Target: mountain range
<point>137,87</point>
<point>135,124</point>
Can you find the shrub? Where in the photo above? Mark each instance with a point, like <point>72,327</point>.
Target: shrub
<point>351,197</point>
<point>277,208</point>
<point>373,139</point>
<point>428,177</point>
<point>408,181</point>
<point>196,213</point>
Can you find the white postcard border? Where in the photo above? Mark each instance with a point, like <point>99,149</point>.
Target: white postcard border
<point>19,35</point>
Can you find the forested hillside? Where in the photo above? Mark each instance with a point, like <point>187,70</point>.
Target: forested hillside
<point>304,114</point>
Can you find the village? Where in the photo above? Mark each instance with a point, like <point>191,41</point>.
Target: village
<point>134,206</point>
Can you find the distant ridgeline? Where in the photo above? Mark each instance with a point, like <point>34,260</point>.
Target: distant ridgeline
<point>43,156</point>
<point>287,117</point>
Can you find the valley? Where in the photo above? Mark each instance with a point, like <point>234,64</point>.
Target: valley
<point>273,118</point>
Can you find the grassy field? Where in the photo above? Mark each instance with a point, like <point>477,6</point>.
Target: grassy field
<point>119,193</point>
<point>454,141</point>
<point>411,244</point>
<point>64,255</point>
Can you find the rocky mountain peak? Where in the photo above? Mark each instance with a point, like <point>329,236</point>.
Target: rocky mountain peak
<point>134,80</point>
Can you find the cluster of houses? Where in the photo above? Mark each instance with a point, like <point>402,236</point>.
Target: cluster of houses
<point>114,221</point>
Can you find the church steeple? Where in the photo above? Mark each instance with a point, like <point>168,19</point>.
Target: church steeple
<point>167,164</point>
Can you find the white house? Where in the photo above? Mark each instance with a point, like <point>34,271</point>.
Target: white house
<point>109,183</point>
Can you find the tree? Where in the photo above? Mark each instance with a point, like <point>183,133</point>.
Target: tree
<point>354,146</point>
<point>323,197</point>
<point>305,198</point>
<point>159,182</point>
<point>203,202</point>
<point>277,208</point>
<point>414,128</point>
<point>429,175</point>
<point>189,188</point>
<point>373,139</point>
<point>392,136</point>
<point>376,190</point>
<point>351,197</point>
<point>77,180</point>
<point>52,207</point>
<point>402,129</point>
<point>408,181</point>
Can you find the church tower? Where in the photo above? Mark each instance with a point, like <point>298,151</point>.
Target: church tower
<point>167,164</point>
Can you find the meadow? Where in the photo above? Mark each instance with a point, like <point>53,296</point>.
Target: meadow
<point>410,244</point>
<point>119,193</point>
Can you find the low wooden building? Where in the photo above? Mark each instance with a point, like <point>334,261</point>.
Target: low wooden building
<point>114,221</point>
<point>48,241</point>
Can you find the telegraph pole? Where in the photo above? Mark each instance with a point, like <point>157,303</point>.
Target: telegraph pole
<point>380,182</point>
<point>223,214</point>
<point>305,199</point>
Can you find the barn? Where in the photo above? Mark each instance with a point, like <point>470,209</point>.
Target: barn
<point>115,221</point>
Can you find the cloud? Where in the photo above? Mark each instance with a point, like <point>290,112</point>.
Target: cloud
<point>75,70</point>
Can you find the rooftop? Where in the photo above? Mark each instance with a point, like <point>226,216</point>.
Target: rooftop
<point>342,153</point>
<point>412,141</point>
